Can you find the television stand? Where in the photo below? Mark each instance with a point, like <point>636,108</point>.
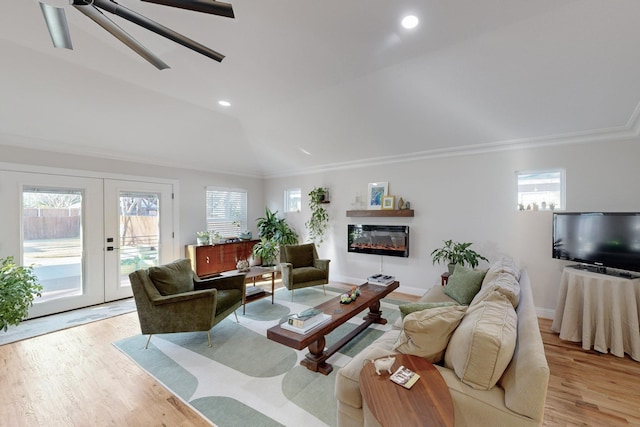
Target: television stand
<point>604,270</point>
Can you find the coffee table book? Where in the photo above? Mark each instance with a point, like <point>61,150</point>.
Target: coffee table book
<point>325,318</point>
<point>404,377</point>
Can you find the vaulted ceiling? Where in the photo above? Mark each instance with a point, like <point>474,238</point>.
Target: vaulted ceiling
<point>316,85</point>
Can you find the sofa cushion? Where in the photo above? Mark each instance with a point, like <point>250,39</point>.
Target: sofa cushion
<point>419,306</point>
<point>173,278</point>
<point>464,284</point>
<point>426,333</point>
<point>482,346</point>
<point>299,255</point>
<point>505,284</point>
<point>505,264</point>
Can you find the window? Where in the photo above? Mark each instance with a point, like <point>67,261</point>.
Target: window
<point>541,190</point>
<point>226,211</point>
<point>292,200</point>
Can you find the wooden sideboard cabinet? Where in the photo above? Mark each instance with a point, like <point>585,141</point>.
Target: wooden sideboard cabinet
<point>213,259</point>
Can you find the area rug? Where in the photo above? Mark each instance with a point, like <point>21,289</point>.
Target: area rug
<point>57,322</point>
<point>244,379</point>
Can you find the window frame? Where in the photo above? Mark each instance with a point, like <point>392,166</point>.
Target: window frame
<point>522,205</point>
<point>288,208</point>
<point>228,230</point>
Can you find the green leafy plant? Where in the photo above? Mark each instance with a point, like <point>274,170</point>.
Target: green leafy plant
<point>273,232</point>
<point>18,288</point>
<point>317,224</point>
<point>456,253</point>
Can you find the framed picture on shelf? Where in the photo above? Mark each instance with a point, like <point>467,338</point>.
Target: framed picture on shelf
<point>377,190</point>
<point>388,202</point>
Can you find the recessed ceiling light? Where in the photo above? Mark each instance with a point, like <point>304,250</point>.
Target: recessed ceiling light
<point>410,21</point>
<point>224,103</point>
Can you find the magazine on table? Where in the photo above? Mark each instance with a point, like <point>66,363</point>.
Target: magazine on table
<point>381,279</point>
<point>404,377</point>
<point>305,318</point>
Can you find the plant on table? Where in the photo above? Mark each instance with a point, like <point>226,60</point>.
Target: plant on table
<point>18,288</point>
<point>273,232</point>
<point>454,253</point>
<point>317,224</point>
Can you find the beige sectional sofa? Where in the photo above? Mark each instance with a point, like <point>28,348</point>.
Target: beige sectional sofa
<point>494,362</point>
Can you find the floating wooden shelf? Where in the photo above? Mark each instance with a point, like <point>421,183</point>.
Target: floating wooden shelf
<point>384,213</point>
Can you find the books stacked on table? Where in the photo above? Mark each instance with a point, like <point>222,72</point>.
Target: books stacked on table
<point>253,291</point>
<point>381,279</point>
<point>305,321</point>
<point>404,377</point>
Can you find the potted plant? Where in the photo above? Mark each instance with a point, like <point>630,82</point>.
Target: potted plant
<point>273,232</point>
<point>456,253</point>
<point>202,237</point>
<point>317,224</point>
<point>18,288</point>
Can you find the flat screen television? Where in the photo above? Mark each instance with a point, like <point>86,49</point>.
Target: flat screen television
<point>603,239</point>
<point>390,240</point>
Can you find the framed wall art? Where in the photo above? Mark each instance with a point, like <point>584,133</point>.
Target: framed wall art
<point>377,190</point>
<point>388,202</point>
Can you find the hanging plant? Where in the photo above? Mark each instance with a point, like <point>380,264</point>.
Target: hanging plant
<point>317,224</point>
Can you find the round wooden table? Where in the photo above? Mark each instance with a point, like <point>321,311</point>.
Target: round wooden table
<point>427,403</point>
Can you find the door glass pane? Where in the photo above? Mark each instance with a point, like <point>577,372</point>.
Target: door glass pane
<point>139,232</point>
<point>52,239</point>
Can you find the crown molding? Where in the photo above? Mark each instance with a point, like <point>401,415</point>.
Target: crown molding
<point>628,131</point>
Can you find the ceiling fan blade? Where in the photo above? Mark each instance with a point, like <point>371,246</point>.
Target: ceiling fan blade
<point>207,6</point>
<point>121,35</point>
<point>57,24</point>
<point>153,26</point>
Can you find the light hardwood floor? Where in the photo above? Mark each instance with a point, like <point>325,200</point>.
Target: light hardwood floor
<point>76,377</point>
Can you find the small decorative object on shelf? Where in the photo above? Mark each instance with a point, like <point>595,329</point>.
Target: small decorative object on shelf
<point>404,377</point>
<point>202,237</point>
<point>243,265</point>
<point>384,364</point>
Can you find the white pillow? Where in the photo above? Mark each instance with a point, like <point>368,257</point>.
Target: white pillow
<point>426,333</point>
<point>482,346</point>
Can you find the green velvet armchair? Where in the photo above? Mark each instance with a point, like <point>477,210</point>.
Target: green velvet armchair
<point>172,298</point>
<point>301,267</point>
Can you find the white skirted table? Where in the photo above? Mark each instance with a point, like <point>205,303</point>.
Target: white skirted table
<point>599,310</point>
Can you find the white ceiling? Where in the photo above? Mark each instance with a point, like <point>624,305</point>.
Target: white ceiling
<point>341,80</point>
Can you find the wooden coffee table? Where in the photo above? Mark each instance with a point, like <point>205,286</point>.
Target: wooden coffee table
<point>315,360</point>
<point>427,403</point>
<point>256,271</point>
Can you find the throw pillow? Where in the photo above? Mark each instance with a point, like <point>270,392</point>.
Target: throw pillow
<point>482,346</point>
<point>464,284</point>
<point>426,333</point>
<point>419,306</point>
<point>505,284</point>
<point>505,264</point>
<point>173,278</point>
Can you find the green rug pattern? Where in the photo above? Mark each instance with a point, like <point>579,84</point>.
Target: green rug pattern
<point>244,379</point>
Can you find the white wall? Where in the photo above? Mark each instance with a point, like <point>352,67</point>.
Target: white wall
<point>470,198</point>
<point>191,187</point>
<point>465,198</point>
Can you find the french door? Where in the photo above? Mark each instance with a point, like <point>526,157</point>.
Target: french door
<point>83,235</point>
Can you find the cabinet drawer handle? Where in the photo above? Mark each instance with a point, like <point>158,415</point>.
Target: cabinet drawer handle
<point>207,260</point>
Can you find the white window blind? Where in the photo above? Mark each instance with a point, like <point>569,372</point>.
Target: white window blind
<point>226,211</point>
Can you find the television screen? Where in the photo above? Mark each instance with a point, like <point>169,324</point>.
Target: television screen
<point>605,239</point>
<point>390,240</point>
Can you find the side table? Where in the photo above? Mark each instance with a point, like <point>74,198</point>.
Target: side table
<point>427,403</point>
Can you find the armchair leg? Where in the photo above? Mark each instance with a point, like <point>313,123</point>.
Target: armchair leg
<point>209,338</point>
<point>291,294</point>
<point>236,314</point>
<point>148,341</point>
<point>324,290</point>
